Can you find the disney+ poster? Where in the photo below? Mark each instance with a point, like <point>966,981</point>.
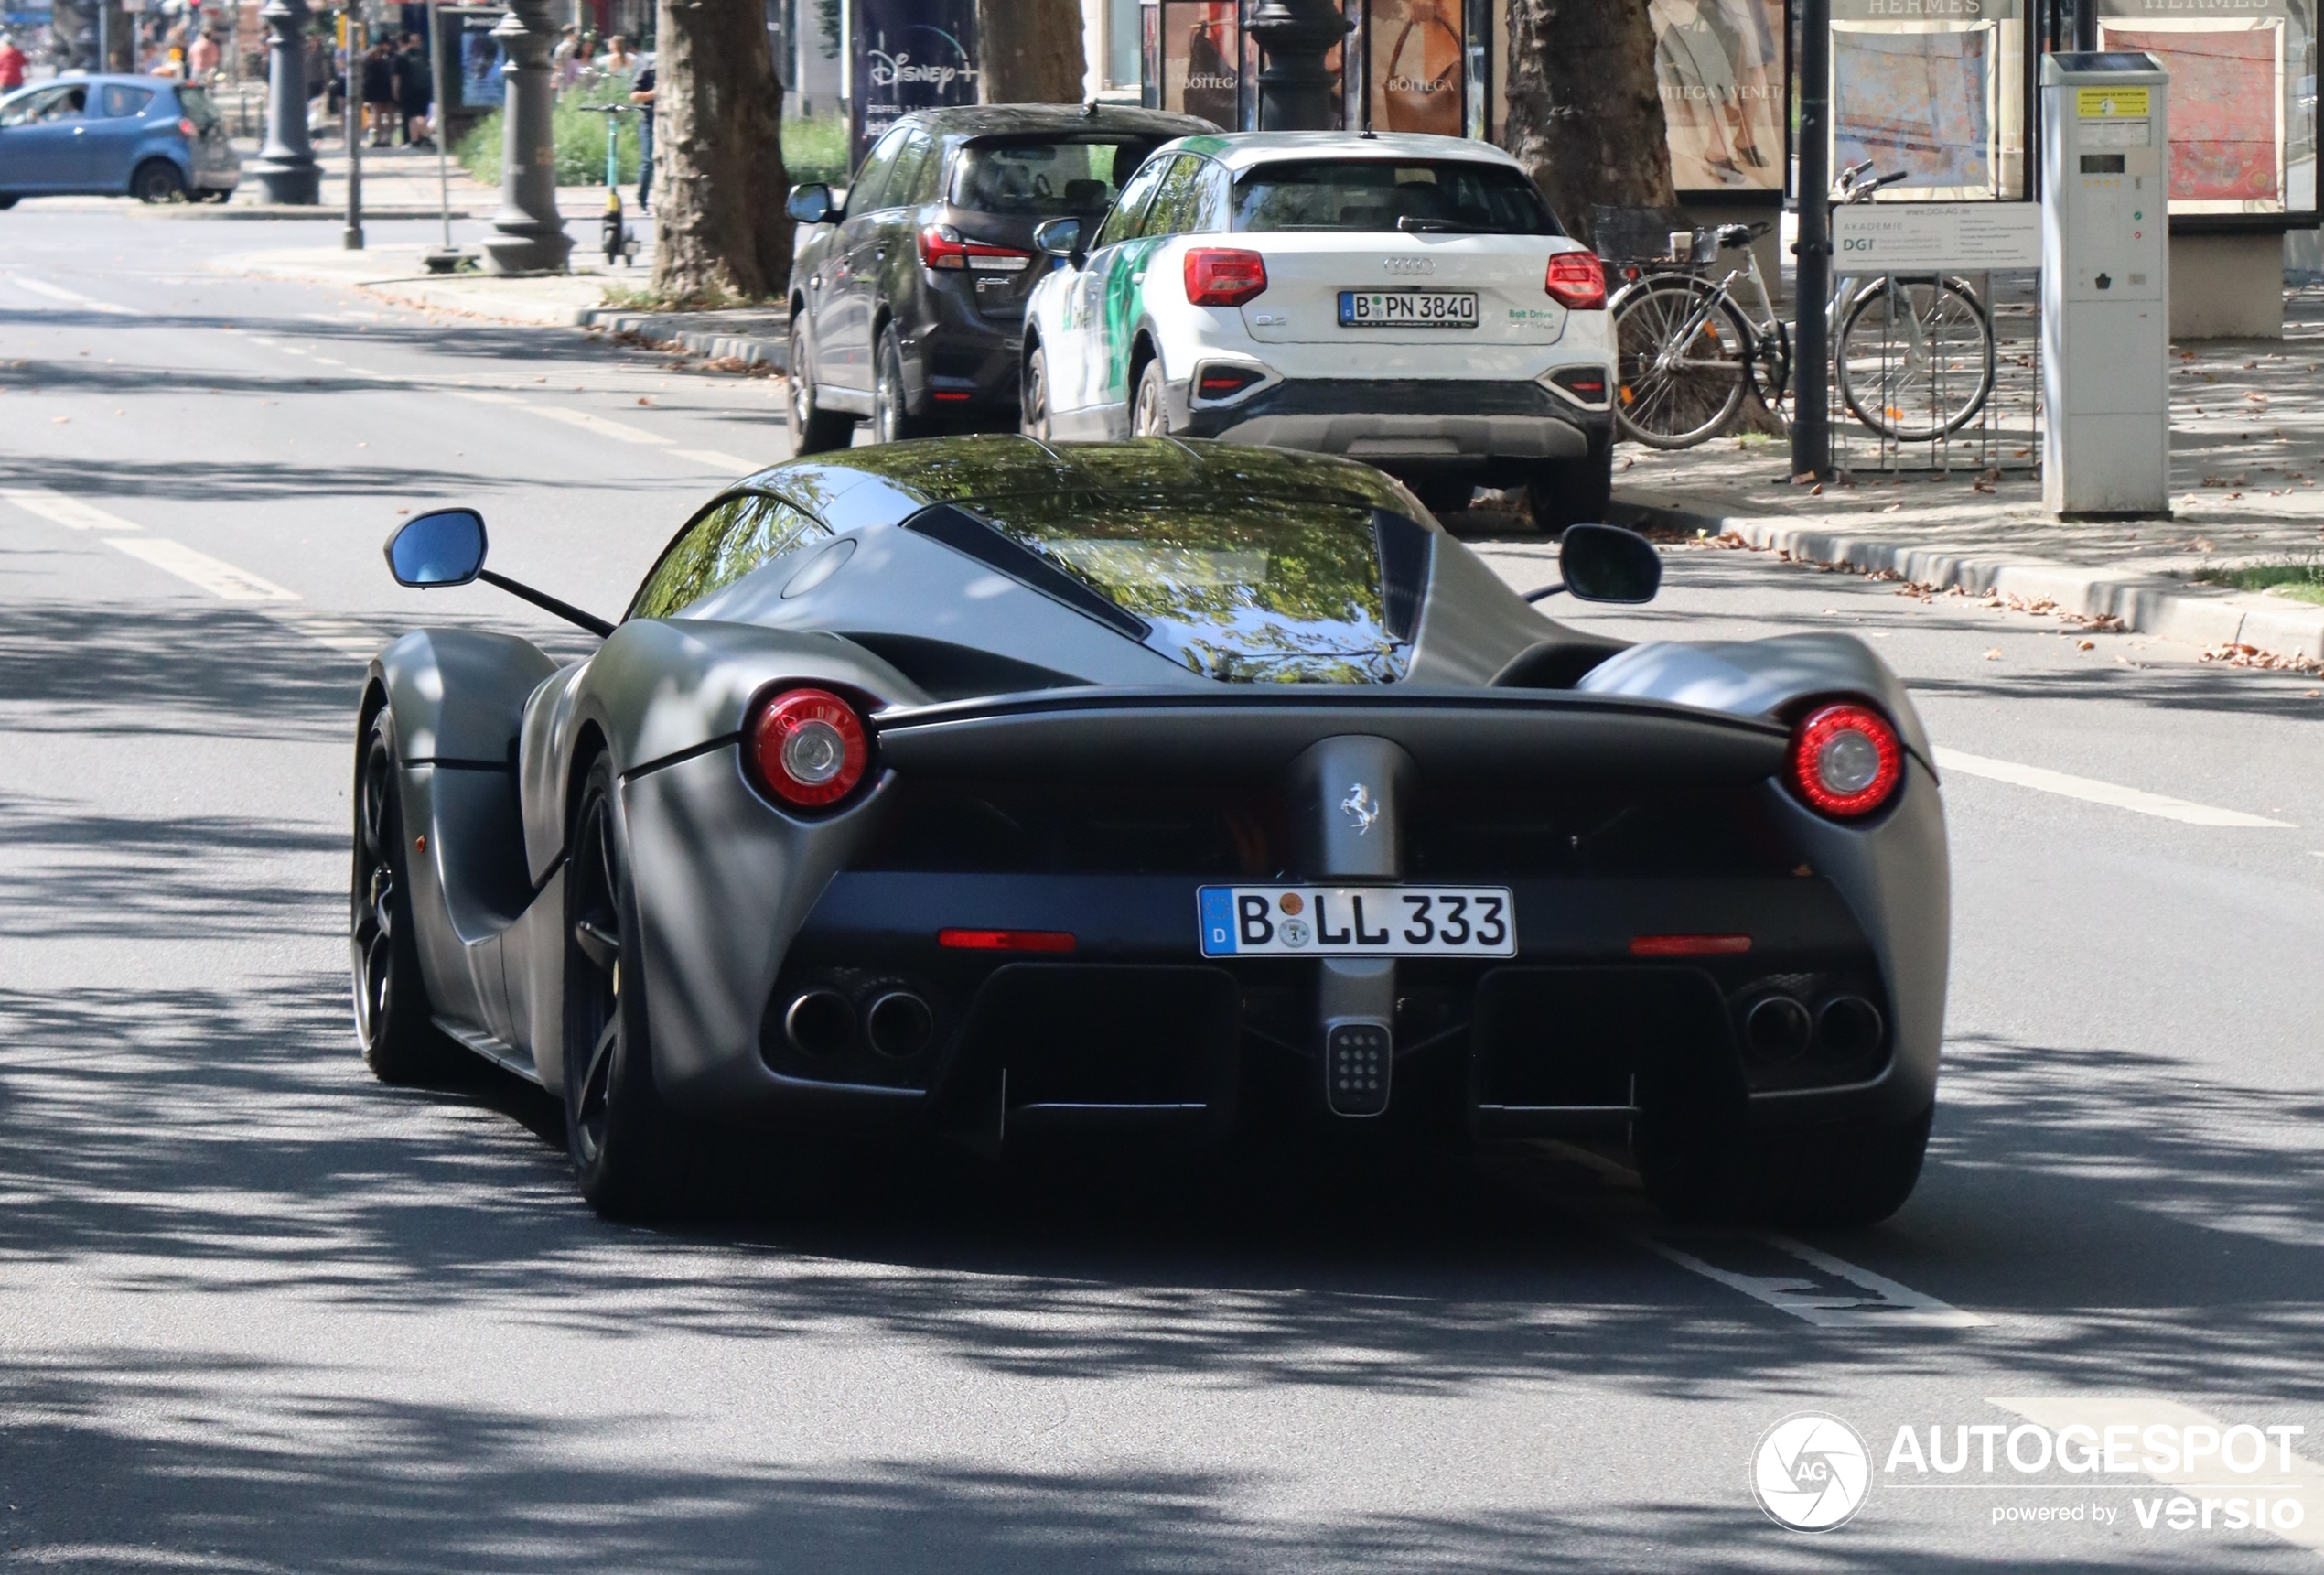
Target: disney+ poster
<point>909,55</point>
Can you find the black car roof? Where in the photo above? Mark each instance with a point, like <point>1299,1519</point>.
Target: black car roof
<point>1001,120</point>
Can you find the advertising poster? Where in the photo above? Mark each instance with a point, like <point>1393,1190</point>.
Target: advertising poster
<point>2226,109</point>
<point>1918,99</point>
<point>1418,53</point>
<point>909,55</point>
<point>1719,68</point>
<point>1199,71</point>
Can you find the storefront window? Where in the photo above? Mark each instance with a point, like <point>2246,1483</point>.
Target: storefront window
<point>2243,107</point>
<point>1719,67</point>
<point>1933,88</point>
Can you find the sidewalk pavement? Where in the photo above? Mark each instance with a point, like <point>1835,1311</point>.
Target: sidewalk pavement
<point>2247,487</point>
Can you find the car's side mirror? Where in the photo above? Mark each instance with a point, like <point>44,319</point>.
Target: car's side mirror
<point>444,546</point>
<point>1606,563</point>
<point>1059,237</point>
<point>812,204</point>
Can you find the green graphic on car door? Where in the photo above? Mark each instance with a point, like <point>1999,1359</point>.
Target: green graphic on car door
<point>1121,289</point>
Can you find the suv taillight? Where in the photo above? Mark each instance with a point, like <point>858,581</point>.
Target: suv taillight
<point>1846,760</point>
<point>942,246</point>
<point>1224,276</point>
<point>1575,280</point>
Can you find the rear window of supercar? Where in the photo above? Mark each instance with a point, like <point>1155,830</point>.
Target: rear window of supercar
<point>1253,590</point>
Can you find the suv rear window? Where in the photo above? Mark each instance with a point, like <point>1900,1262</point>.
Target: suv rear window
<point>1376,194</point>
<point>1045,177</point>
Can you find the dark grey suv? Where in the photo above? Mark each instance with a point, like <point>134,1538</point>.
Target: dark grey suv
<point>908,299</point>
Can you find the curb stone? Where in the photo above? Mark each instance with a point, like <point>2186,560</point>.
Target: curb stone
<point>2145,603</point>
<point>685,330</point>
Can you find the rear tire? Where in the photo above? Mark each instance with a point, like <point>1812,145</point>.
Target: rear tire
<point>1845,1174</point>
<point>813,430</point>
<point>393,1019</point>
<point>624,1142</point>
<point>892,417</point>
<point>158,181</point>
<point>1033,417</point>
<point>1571,491</point>
<point>1150,406</point>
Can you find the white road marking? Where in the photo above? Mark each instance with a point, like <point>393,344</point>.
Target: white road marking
<point>2093,791</point>
<point>484,397</point>
<point>2303,1481</point>
<point>61,510</point>
<point>598,424</point>
<point>327,360</point>
<point>215,575</point>
<point>343,635</point>
<point>59,293</point>
<point>1875,1301</point>
<point>1870,1301</point>
<point>718,460</point>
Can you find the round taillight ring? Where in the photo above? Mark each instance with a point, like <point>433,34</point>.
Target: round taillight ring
<point>1846,760</point>
<point>807,748</point>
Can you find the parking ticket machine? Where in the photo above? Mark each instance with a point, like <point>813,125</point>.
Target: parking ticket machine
<point>2105,285</point>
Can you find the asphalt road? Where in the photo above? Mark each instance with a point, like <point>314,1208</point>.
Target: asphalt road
<point>259,1314</point>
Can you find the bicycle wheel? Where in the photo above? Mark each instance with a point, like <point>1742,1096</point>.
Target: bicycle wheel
<point>1680,369</point>
<point>1915,357</point>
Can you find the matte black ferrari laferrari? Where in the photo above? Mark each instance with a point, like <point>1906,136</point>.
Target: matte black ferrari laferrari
<point>970,789</point>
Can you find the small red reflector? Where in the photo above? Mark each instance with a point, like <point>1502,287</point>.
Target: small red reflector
<point>949,394</point>
<point>1575,280</point>
<point>1005,940</point>
<point>1689,945</point>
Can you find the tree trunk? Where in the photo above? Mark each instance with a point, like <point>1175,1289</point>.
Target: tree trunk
<point>1029,52</point>
<point>720,227</point>
<point>1585,114</point>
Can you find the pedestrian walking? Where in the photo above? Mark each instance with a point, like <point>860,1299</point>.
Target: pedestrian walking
<point>560,57</point>
<point>415,87</point>
<point>641,96</point>
<point>380,97</point>
<point>201,60</point>
<point>11,64</point>
<point>619,64</point>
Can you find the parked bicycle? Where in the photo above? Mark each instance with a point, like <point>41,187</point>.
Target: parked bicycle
<point>1913,356</point>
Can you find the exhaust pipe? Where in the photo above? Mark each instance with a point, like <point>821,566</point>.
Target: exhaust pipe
<point>900,1024</point>
<point>821,1022</point>
<point>1847,1029</point>
<point>1776,1028</point>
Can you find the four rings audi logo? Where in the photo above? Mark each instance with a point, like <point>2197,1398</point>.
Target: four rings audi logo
<point>1408,264</point>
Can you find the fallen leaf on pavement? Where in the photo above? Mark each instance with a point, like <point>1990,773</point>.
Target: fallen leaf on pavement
<point>1994,655</point>
<point>2085,645</point>
<point>60,420</point>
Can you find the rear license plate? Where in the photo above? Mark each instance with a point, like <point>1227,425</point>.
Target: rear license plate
<point>1358,922</point>
<point>1408,309</point>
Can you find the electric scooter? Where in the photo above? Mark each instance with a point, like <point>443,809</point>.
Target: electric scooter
<point>620,245</point>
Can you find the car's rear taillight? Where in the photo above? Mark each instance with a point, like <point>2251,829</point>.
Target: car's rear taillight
<point>188,128</point>
<point>1575,280</point>
<point>1224,277</point>
<point>942,246</point>
<point>1846,760</point>
<point>807,748</point>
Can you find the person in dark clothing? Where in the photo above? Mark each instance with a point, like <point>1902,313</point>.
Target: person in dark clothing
<point>641,96</point>
<point>378,78</point>
<point>415,89</point>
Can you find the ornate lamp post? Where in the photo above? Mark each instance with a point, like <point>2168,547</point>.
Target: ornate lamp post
<point>285,166</point>
<point>529,235</point>
<point>1295,88</point>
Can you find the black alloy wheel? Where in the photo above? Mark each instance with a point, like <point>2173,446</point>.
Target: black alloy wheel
<point>1034,420</point>
<point>813,430</point>
<point>158,181</point>
<point>620,1136</point>
<point>892,419</point>
<point>400,1043</point>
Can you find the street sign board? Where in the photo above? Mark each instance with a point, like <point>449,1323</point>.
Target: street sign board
<point>1935,237</point>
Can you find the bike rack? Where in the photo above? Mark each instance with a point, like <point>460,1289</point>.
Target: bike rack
<point>2004,435</point>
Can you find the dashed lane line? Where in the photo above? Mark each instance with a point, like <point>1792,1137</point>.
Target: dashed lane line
<point>59,509</point>
<point>721,461</point>
<point>215,575</point>
<point>618,431</point>
<point>73,298</point>
<point>2092,791</point>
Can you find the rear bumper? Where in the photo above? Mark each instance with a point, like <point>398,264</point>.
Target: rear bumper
<point>1422,419</point>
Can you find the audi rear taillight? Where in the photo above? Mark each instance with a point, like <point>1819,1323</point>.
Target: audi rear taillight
<point>942,246</point>
<point>1223,275</point>
<point>1575,280</point>
<point>807,748</point>
<point>1846,760</point>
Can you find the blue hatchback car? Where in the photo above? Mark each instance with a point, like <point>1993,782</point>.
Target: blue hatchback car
<point>146,137</point>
